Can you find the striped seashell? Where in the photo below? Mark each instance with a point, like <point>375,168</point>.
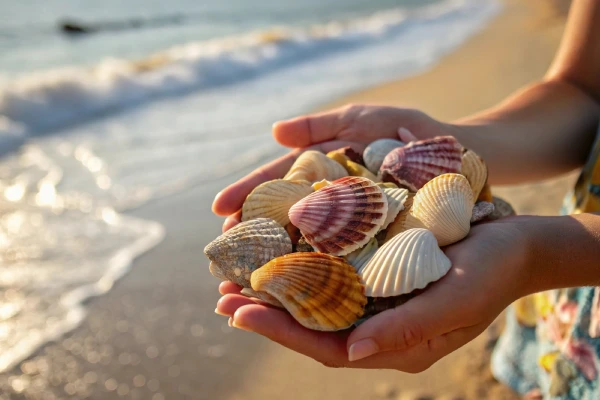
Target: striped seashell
<point>341,217</point>
<point>321,292</point>
<point>481,210</point>
<point>419,162</point>
<point>350,166</point>
<point>445,206</point>
<point>400,224</point>
<point>375,152</point>
<point>246,247</point>
<point>396,199</point>
<point>264,296</point>
<point>314,166</point>
<point>411,260</point>
<point>273,199</point>
<point>474,169</point>
<point>359,257</point>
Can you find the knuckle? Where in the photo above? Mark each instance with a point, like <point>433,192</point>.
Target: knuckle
<point>409,335</point>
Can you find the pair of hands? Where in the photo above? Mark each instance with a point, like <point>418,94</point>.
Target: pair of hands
<point>487,271</point>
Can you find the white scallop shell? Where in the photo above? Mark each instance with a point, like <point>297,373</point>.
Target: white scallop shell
<point>376,152</point>
<point>396,199</point>
<point>359,257</point>
<point>411,260</point>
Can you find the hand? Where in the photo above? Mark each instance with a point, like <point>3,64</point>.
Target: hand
<point>355,125</point>
<point>488,273</point>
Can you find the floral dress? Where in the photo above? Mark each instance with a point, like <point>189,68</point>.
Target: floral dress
<point>551,344</point>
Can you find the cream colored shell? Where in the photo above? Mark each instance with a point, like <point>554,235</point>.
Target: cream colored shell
<point>396,199</point>
<point>314,166</point>
<point>444,206</point>
<point>474,168</point>
<point>411,260</point>
<point>273,199</point>
<point>399,224</point>
<point>360,257</point>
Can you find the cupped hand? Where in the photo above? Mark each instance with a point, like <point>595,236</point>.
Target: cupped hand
<point>354,125</point>
<point>489,271</point>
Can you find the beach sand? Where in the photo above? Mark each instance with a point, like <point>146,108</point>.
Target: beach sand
<point>155,336</point>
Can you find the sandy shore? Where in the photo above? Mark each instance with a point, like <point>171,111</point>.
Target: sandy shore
<point>155,336</point>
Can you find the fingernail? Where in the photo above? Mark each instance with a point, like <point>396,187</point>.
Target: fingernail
<point>220,313</point>
<point>230,322</point>
<point>362,349</point>
<point>238,326</point>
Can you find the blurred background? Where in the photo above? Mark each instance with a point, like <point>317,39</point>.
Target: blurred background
<point>120,121</point>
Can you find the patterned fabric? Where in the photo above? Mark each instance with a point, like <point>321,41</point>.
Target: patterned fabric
<point>551,344</point>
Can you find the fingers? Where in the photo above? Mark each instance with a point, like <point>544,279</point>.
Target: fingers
<point>307,130</point>
<point>227,287</point>
<point>406,135</point>
<point>232,221</point>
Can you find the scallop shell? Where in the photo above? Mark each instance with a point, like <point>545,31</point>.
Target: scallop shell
<point>320,185</point>
<point>352,154</point>
<point>445,206</point>
<point>399,224</point>
<point>359,257</point>
<point>341,217</point>
<point>350,166</point>
<point>375,153</point>
<point>321,292</point>
<point>246,247</point>
<point>264,296</point>
<point>474,168</point>
<point>273,199</point>
<point>486,194</point>
<point>396,199</point>
<point>314,166</point>
<point>481,210</point>
<point>411,260</point>
<point>419,162</point>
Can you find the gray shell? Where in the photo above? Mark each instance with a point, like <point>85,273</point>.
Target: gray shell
<point>376,152</point>
<point>245,248</point>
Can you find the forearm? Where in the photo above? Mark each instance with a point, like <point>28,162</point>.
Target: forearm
<point>563,251</point>
<point>543,130</point>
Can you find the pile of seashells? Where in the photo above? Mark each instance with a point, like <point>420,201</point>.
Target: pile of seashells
<point>344,236</point>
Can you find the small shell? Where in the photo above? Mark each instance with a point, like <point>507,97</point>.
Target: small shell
<point>474,168</point>
<point>314,166</point>
<point>342,217</point>
<point>246,247</point>
<point>350,166</point>
<point>485,194</point>
<point>264,296</point>
<point>502,209</point>
<point>419,162</point>
<point>399,224</point>
<point>411,260</point>
<point>376,152</point>
<point>525,311</point>
<point>273,199</point>
<point>396,199</point>
<point>303,246</point>
<point>481,210</point>
<point>321,292</point>
<point>359,257</point>
<point>389,185</point>
<point>320,185</point>
<point>445,206</point>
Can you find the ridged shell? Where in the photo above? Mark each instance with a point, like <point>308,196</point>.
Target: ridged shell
<point>411,260</point>
<point>419,162</point>
<point>320,185</point>
<point>352,168</point>
<point>396,199</point>
<point>474,168</point>
<point>341,217</point>
<point>273,199</point>
<point>486,194</point>
<point>314,166</point>
<point>246,247</point>
<point>399,224</point>
<point>321,292</point>
<point>375,152</point>
<point>502,208</point>
<point>444,206</point>
<point>481,210</point>
<point>264,296</point>
<point>359,257</point>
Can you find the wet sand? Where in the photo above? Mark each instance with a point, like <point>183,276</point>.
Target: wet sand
<point>155,335</point>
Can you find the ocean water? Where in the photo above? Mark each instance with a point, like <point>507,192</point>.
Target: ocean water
<point>162,97</point>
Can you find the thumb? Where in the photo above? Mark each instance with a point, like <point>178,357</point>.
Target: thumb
<point>422,318</point>
<point>307,130</point>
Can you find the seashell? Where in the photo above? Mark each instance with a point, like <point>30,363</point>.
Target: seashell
<point>359,257</point>
<point>502,209</point>
<point>396,199</point>
<point>375,153</point>
<point>561,374</point>
<point>342,217</point>
<point>485,194</point>
<point>389,185</point>
<point>350,166</point>
<point>293,232</point>
<point>399,224</point>
<point>474,169</point>
<point>547,360</point>
<point>246,247</point>
<point>314,166</point>
<point>481,210</point>
<point>321,292</point>
<point>352,154</point>
<point>583,356</point>
<point>303,246</point>
<point>264,296</point>
<point>594,329</point>
<point>525,311</point>
<point>273,199</point>
<point>419,162</point>
<point>376,305</point>
<point>320,185</point>
<point>411,260</point>
<point>445,206</point>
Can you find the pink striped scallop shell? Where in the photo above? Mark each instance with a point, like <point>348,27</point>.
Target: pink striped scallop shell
<point>341,217</point>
